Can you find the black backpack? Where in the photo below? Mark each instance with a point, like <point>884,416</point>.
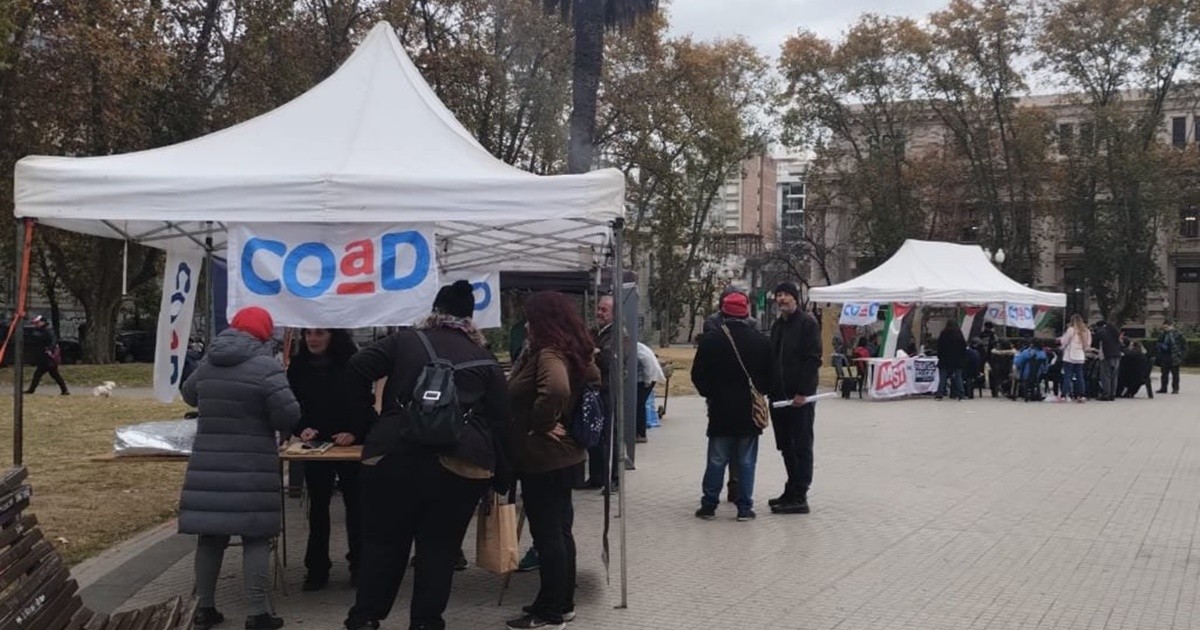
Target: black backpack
<point>587,419</point>
<point>436,416</point>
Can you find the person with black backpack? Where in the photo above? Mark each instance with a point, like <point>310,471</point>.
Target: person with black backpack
<point>429,456</point>
<point>556,415</point>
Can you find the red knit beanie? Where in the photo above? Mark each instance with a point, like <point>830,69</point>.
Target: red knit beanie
<point>255,322</point>
<point>736,305</point>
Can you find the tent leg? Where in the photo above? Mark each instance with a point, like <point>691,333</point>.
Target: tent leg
<point>210,330</point>
<point>18,326</point>
<point>618,285</point>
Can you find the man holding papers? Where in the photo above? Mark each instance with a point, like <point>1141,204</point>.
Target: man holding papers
<point>796,341</point>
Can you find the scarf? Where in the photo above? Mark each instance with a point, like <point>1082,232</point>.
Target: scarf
<point>465,325</point>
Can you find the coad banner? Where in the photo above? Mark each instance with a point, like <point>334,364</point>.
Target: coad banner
<point>333,276</point>
<point>181,283</point>
<point>487,294</point>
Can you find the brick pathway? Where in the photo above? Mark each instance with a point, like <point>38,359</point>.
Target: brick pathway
<point>981,514</point>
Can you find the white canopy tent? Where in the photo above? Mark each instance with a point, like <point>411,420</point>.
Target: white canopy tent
<point>936,273</point>
<point>370,144</point>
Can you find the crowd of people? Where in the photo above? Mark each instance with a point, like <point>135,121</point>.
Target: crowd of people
<point>1097,362</point>
<point>425,464</point>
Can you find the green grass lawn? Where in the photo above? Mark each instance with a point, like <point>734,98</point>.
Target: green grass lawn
<point>81,377</point>
<point>85,507</point>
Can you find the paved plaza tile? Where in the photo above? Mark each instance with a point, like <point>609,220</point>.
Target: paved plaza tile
<point>981,514</point>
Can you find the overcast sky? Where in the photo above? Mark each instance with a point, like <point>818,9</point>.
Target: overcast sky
<point>767,23</point>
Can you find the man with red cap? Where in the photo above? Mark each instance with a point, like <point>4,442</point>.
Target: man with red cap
<point>726,365</point>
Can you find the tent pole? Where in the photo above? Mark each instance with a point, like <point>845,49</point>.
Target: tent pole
<point>18,327</point>
<point>210,330</point>
<point>618,284</point>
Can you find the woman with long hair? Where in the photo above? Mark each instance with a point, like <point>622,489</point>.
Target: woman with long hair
<point>317,375</point>
<point>1075,342</point>
<point>546,385</point>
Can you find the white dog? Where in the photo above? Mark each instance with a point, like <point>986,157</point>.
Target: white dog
<point>105,389</point>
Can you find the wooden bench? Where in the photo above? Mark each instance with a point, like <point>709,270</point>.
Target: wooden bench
<point>36,588</point>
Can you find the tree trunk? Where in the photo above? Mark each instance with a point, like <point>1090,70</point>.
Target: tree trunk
<point>50,288</point>
<point>101,329</point>
<point>588,18</point>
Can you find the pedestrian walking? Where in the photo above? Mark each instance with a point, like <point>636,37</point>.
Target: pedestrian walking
<point>48,353</point>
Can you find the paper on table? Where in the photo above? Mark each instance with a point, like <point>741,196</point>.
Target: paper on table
<point>780,404</point>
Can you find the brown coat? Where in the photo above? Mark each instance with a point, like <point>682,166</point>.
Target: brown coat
<point>542,395</point>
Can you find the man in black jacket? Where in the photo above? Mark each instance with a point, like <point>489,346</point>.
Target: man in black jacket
<point>1108,339</point>
<point>719,377</point>
<point>418,493</point>
<point>606,351</point>
<point>712,324</point>
<point>796,341</point>
<point>45,347</point>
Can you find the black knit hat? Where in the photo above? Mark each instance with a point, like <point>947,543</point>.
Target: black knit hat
<point>456,299</point>
<point>788,288</point>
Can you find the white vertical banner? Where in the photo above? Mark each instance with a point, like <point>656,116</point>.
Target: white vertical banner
<point>344,275</point>
<point>486,285</point>
<point>181,285</point>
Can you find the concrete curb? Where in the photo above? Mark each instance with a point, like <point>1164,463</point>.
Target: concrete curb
<point>111,578</point>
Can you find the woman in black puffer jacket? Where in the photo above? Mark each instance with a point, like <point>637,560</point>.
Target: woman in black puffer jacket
<point>317,375</point>
<point>232,483</point>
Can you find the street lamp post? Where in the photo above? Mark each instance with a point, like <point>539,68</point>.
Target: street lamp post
<point>997,259</point>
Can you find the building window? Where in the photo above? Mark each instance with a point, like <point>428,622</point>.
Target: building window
<point>793,198</point>
<point>1179,131</point>
<point>1066,139</point>
<point>1087,137</point>
<point>1189,222</point>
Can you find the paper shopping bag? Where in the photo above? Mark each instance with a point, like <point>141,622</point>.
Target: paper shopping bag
<point>496,536</point>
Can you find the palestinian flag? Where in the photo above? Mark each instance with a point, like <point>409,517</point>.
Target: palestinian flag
<point>893,326</point>
<point>1041,317</point>
<point>970,315</point>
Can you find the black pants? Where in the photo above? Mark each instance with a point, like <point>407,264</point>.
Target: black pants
<point>1171,372</point>
<point>407,499</point>
<point>551,517</point>
<point>321,478</point>
<point>643,394</point>
<point>794,438</point>
<point>43,368</point>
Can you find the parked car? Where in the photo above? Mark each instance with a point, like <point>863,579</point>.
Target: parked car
<point>134,346</point>
<point>72,352</point>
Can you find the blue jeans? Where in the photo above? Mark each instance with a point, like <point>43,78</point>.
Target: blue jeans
<point>1073,384</point>
<point>720,450</point>
<point>951,379</point>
